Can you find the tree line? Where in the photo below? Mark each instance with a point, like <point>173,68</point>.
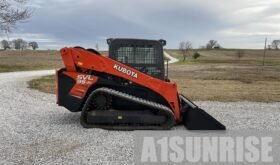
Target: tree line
<point>213,44</point>
<point>19,44</point>
<point>275,44</point>
<point>13,12</point>
<point>185,48</point>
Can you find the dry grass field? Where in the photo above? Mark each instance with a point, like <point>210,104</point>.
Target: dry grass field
<point>221,76</point>
<point>12,60</point>
<point>253,57</point>
<point>217,75</point>
<point>223,82</point>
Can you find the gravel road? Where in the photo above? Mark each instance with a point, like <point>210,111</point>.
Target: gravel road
<point>34,130</point>
<point>171,59</point>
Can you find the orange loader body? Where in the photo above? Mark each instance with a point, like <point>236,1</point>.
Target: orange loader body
<point>127,90</point>
<point>86,61</point>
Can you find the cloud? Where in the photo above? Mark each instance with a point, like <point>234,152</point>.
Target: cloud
<point>245,34</point>
<point>232,22</point>
<point>33,37</point>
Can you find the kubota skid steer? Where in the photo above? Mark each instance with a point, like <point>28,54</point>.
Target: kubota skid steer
<point>126,91</point>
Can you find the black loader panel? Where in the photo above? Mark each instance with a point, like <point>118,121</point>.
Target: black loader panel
<point>65,84</point>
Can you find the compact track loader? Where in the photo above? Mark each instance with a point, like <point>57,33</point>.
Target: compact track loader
<point>127,90</point>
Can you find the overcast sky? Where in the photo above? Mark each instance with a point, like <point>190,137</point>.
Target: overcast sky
<point>233,23</point>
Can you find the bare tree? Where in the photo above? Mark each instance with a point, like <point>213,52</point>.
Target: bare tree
<point>188,47</point>
<point>16,43</point>
<point>211,44</point>
<point>185,48</point>
<point>275,44</point>
<point>11,13</point>
<point>5,44</point>
<point>240,53</point>
<point>33,45</point>
<point>23,45</point>
<point>269,47</point>
<point>19,44</point>
<point>182,49</point>
<point>264,50</point>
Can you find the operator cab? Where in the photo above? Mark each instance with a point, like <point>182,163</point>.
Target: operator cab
<point>143,55</point>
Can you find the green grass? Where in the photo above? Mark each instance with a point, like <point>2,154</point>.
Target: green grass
<point>14,68</point>
<point>44,84</point>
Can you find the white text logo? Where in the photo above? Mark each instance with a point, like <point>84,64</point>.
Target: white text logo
<point>207,149</point>
<point>125,71</point>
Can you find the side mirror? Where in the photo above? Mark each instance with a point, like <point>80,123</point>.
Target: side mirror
<point>109,40</point>
<point>163,42</point>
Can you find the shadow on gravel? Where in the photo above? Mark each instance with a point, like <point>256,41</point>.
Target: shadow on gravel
<point>66,119</point>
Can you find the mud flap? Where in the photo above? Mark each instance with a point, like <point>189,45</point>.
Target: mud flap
<point>195,118</point>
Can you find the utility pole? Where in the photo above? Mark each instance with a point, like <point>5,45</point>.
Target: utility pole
<point>264,51</point>
<point>97,46</point>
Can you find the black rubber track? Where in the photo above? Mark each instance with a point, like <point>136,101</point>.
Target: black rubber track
<point>161,109</point>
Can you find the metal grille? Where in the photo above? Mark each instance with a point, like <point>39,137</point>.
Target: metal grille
<point>145,57</point>
<point>136,55</point>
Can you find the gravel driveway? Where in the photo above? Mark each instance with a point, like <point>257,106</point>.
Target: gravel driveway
<point>171,59</point>
<point>34,130</point>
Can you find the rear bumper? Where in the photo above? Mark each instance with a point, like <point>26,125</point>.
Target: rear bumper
<point>64,84</point>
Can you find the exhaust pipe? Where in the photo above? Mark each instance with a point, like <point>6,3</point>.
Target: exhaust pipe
<point>195,118</point>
